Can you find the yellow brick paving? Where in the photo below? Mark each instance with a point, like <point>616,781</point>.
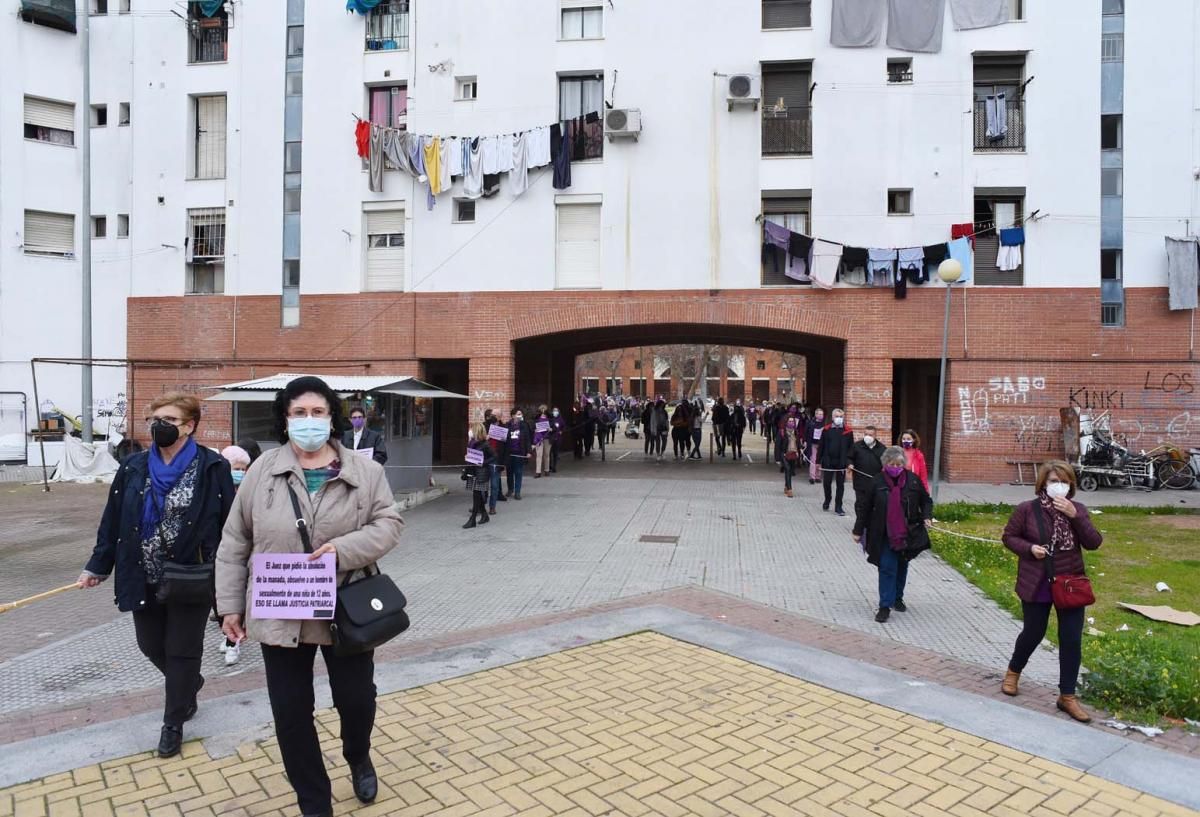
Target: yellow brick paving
<point>635,726</point>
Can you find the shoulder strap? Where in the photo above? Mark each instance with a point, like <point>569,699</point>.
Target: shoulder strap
<point>301,524</point>
<point>1040,515</point>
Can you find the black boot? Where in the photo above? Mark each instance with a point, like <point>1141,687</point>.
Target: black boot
<point>484,518</point>
<point>193,706</point>
<point>366,784</point>
<point>470,522</point>
<point>170,741</point>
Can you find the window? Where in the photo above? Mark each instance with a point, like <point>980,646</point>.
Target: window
<point>56,14</point>
<point>760,365</point>
<point>123,225</point>
<point>1110,265</point>
<point>295,41</point>
<point>99,116</point>
<point>787,13</point>
<point>466,88</point>
<point>580,105</point>
<point>208,160</point>
<point>1114,6</point>
<point>577,250</point>
<point>99,227</point>
<point>293,153</point>
<point>1112,291</point>
<point>637,364</point>
<point>49,233</point>
<point>205,251</point>
<point>995,210</point>
<point>590,385</point>
<point>291,272</point>
<point>464,211</point>
<point>1112,47</point>
<point>385,250</point>
<point>98,7</point>
<point>389,106</point>
<point>1110,181</point>
<point>49,121</point>
<point>1110,131</point>
<point>791,210</point>
<point>899,70</point>
<point>999,109</point>
<point>293,83</point>
<point>123,113</point>
<point>1016,9</point>
<point>387,26</point>
<point>787,115</point>
<point>124,7</point>
<point>582,23</point>
<point>899,202</point>
<point>291,201</point>
<point>208,35</point>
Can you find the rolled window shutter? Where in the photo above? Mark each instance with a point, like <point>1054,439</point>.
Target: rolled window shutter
<point>384,269</point>
<point>49,232</point>
<point>578,250</point>
<point>46,113</point>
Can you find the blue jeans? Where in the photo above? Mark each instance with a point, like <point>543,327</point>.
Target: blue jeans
<point>893,573</point>
<point>494,493</point>
<point>516,469</point>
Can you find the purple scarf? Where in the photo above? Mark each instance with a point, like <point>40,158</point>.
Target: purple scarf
<point>897,525</point>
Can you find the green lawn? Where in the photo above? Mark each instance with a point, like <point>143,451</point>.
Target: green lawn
<point>1149,672</point>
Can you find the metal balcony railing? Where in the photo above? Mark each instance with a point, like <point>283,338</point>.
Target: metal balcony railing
<point>787,132</point>
<point>208,40</point>
<point>387,27</point>
<point>1011,136</point>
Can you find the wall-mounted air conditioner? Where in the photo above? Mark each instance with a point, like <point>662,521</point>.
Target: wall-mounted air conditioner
<point>743,90</point>
<point>622,122</point>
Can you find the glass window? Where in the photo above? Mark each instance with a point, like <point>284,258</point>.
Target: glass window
<point>1110,181</point>
<point>900,70</point>
<point>291,272</point>
<point>1114,6</point>
<point>1110,131</point>
<point>125,113</point>
<point>1110,265</point>
<point>291,201</point>
<point>580,104</point>
<point>899,202</point>
<point>99,226</point>
<point>99,116</point>
<point>295,42</point>
<point>582,23</point>
<point>464,210</point>
<point>388,106</point>
<point>291,157</point>
<point>295,83</point>
<point>123,226</point>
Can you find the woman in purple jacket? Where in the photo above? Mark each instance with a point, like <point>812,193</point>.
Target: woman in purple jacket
<point>1068,528</point>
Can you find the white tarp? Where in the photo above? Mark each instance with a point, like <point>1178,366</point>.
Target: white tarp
<point>85,463</point>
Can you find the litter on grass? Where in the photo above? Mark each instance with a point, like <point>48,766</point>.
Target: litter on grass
<point>1148,731</point>
<point>1163,613</point>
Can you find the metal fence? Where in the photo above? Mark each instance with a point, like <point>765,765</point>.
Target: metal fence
<point>209,40</point>
<point>787,132</point>
<point>387,27</point>
<point>1010,137</point>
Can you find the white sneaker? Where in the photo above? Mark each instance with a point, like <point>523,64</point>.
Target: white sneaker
<point>232,654</point>
<point>223,644</point>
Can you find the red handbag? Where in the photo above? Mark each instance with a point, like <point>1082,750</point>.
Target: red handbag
<point>1071,591</point>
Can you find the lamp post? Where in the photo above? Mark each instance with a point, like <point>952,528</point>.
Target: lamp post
<point>949,271</point>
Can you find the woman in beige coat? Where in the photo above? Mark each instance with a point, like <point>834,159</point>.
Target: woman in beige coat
<point>350,513</point>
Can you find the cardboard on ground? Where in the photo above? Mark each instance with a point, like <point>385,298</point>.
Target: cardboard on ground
<point>1163,613</point>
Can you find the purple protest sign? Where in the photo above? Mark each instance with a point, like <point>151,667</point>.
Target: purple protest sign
<point>542,427</point>
<point>497,432</point>
<point>288,585</point>
<point>474,456</point>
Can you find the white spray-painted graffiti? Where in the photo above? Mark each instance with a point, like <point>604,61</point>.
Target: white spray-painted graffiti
<point>975,403</point>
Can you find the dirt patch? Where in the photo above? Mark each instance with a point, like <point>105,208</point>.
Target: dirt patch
<point>1181,522</point>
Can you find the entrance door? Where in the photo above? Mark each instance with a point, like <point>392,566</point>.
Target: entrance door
<point>914,401</point>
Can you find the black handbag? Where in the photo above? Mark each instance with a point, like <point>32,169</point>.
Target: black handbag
<point>185,583</point>
<point>369,612</point>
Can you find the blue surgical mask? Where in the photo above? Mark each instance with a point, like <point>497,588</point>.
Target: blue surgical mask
<point>238,476</point>
<point>310,433</point>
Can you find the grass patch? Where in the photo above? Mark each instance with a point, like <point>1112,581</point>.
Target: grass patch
<point>1148,672</point>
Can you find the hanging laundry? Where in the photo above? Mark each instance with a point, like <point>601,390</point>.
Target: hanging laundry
<point>773,256</point>
<point>491,184</point>
<point>504,153</point>
<point>910,265</point>
<point>537,147</point>
<point>362,138</point>
<point>934,254</point>
<point>1012,236</point>
<point>970,14</point>
<point>776,234</point>
<point>799,250</point>
<point>473,178</point>
<point>416,155</point>
<point>881,266</point>
<point>854,266</point>
<point>432,146</point>
<point>395,150</point>
<point>518,177</point>
<point>964,230</point>
<point>490,145</point>
<point>915,25</point>
<point>826,257</point>
<point>375,161</point>
<point>1182,260</point>
<point>775,246</point>
<point>996,110</point>
<point>451,160</point>
<point>856,23</point>
<point>960,251</point>
<point>560,153</point>
<point>799,244</point>
<point>1009,256</point>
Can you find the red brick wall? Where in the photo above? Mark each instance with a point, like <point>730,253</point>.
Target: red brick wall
<point>1050,336</point>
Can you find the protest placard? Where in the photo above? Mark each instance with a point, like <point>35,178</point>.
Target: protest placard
<point>542,427</point>
<point>498,432</point>
<point>289,585</point>
<point>474,456</point>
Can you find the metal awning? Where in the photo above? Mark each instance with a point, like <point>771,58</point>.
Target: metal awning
<point>263,389</point>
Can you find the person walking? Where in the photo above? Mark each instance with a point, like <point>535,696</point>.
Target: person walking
<point>499,457</point>
<point>165,511</point>
<point>239,461</point>
<point>898,511</point>
<point>251,447</point>
<point>790,445</point>
<point>589,426</point>
<point>720,423</point>
<point>520,441</point>
<point>361,438</point>
<point>478,474</point>
<point>1049,533</point>
<point>613,418</point>
<point>698,416</point>
<point>752,417</point>
<point>557,426</point>
<point>349,509</point>
<point>541,443</point>
<point>647,420</point>
<point>736,428</point>
<point>834,455</point>
<point>911,443</point>
<point>812,441</point>
<point>865,463</point>
<point>681,430</point>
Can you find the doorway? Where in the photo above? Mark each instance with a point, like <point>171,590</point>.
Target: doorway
<point>914,400</point>
<point>449,416</point>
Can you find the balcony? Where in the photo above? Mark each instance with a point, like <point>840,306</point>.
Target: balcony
<point>787,132</point>
<point>1010,138</point>
<point>59,14</point>
<point>387,27</point>
<point>208,40</point>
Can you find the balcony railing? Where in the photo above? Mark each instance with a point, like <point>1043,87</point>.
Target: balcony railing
<point>209,40</point>
<point>387,27</point>
<point>1010,137</point>
<point>787,132</point>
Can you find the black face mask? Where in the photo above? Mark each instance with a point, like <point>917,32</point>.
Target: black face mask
<point>165,435</point>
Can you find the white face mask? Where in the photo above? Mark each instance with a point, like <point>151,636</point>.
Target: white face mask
<point>869,440</point>
<point>470,435</point>
<point>1057,490</point>
<point>837,421</point>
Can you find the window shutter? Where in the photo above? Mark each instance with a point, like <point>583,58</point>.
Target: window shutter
<point>46,113</point>
<point>384,265</point>
<point>49,232</point>
<point>210,137</point>
<point>792,85</point>
<point>577,260</point>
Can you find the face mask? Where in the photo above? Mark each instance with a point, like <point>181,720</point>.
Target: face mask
<point>837,421</point>
<point>238,476</point>
<point>791,424</point>
<point>470,436</point>
<point>820,417</point>
<point>869,440</point>
<point>907,443</point>
<point>555,412</point>
<point>358,422</point>
<point>518,417</point>
<point>1058,490</point>
<point>309,433</point>
<point>165,435</point>
<point>892,471</point>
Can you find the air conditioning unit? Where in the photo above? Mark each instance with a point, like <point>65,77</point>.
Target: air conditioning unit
<point>743,90</point>
<point>620,122</point>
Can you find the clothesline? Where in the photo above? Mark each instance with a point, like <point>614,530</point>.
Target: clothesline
<point>981,225</point>
<point>473,136</point>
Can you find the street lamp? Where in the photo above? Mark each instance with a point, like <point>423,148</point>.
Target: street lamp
<point>949,271</point>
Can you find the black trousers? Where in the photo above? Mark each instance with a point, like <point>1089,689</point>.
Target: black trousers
<point>172,637</point>
<point>735,442</point>
<point>861,499</point>
<point>290,688</point>
<point>827,478</point>
<point>1070,641</point>
<point>554,456</point>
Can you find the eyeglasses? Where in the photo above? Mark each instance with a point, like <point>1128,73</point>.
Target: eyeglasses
<point>175,421</point>
<point>299,412</point>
